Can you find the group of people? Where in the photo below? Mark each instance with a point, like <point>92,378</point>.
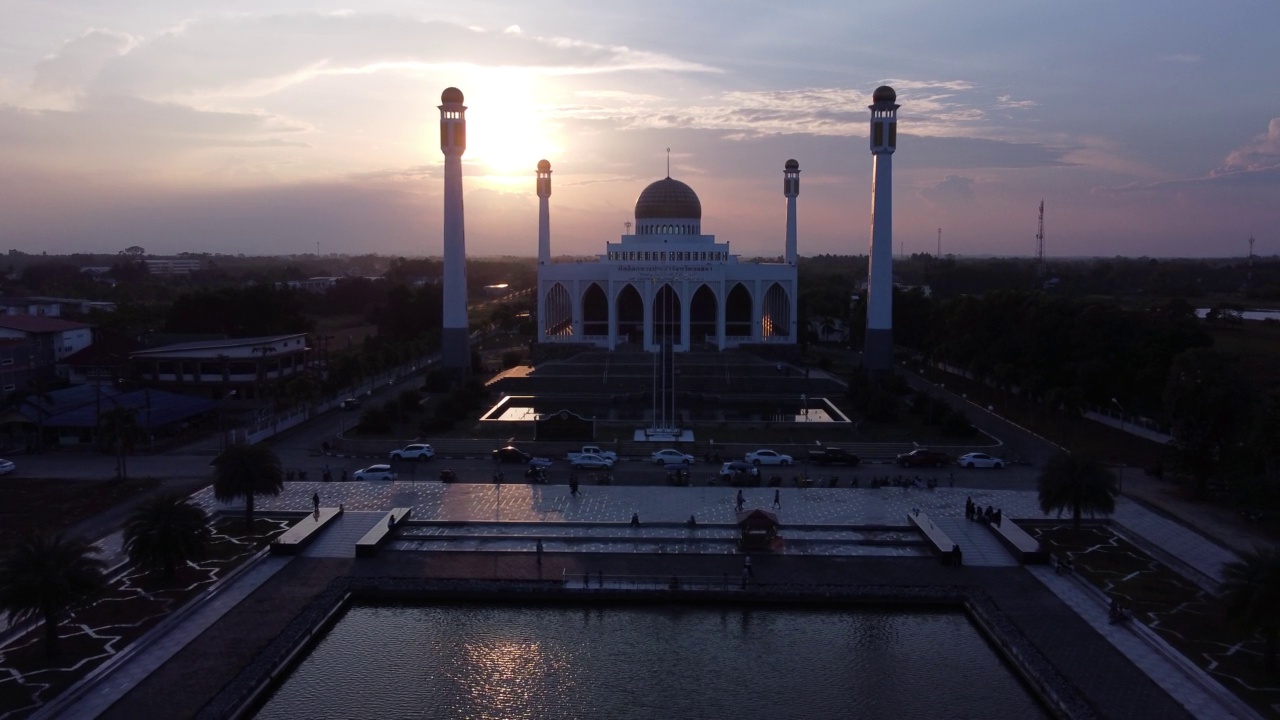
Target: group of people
<point>990,516</point>
<point>741,502</point>
<point>902,481</point>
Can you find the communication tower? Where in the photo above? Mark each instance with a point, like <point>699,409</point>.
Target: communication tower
<point>1040,243</point>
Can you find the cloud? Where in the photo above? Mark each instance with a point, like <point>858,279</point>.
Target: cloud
<point>120,134</point>
<point>1261,154</point>
<point>1255,164</point>
<point>80,60</point>
<point>252,56</point>
<point>951,190</point>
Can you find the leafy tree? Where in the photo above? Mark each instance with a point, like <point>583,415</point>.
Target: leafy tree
<point>47,576</point>
<point>1251,596</point>
<point>1210,404</point>
<point>247,471</point>
<point>165,531</point>
<point>1078,483</point>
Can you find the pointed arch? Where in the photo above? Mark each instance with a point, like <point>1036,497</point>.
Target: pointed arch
<point>666,315</point>
<point>737,312</point>
<point>702,315</point>
<point>595,311</point>
<point>775,316</point>
<point>630,315</point>
<point>558,312</point>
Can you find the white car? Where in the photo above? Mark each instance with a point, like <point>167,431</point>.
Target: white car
<point>767,457</point>
<point>416,451</point>
<point>591,462</point>
<point>376,472</point>
<point>671,457</point>
<point>6,467</point>
<point>979,460</point>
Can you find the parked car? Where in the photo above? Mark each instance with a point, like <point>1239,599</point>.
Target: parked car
<point>920,457</point>
<point>349,404</point>
<point>511,454</point>
<point>595,451</point>
<point>834,456</point>
<point>671,457</point>
<point>591,462</point>
<point>375,472</point>
<point>6,466</point>
<point>767,457</point>
<point>979,460</point>
<point>416,451</point>
<point>540,463</point>
<point>730,469</point>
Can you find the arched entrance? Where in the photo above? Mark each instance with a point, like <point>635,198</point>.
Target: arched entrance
<point>630,315</point>
<point>595,311</point>
<point>737,312</point>
<point>702,315</point>
<point>558,312</point>
<point>775,317</point>
<point>666,316</point>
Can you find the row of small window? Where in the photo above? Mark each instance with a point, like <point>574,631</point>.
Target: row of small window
<point>665,256</point>
<point>666,230</point>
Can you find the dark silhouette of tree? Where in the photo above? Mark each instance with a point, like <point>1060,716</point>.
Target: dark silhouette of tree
<point>1251,597</point>
<point>1210,404</point>
<point>1078,484</point>
<point>46,576</point>
<point>165,531</point>
<point>247,471</point>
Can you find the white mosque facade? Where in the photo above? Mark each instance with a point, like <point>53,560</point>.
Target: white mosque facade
<point>668,285</point>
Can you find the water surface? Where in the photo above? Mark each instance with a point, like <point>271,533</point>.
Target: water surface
<point>471,661</point>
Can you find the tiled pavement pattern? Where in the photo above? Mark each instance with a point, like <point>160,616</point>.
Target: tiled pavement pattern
<point>610,508</point>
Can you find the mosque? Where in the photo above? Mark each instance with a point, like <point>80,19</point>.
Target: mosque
<point>668,285</point>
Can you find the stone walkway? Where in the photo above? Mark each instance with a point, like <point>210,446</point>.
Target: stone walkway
<point>499,511</point>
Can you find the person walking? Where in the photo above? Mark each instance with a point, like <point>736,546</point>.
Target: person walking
<point>573,485</point>
<point>777,499</point>
<point>741,502</point>
<point>635,520</point>
<point>315,502</point>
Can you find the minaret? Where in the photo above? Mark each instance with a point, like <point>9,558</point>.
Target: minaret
<point>455,345</point>
<point>877,354</point>
<point>544,212</point>
<point>791,188</point>
<point>544,240</point>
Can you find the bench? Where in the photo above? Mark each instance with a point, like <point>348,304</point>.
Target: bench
<point>380,534</point>
<point>938,540</point>
<point>301,535</point>
<point>1028,550</point>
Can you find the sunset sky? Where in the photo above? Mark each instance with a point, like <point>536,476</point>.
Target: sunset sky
<point>183,125</point>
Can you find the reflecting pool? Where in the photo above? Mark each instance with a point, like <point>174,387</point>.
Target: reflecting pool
<point>623,662</point>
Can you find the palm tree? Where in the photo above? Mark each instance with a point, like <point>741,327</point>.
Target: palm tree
<point>44,577</point>
<point>1078,483</point>
<point>246,471</point>
<point>166,531</point>
<point>1251,596</point>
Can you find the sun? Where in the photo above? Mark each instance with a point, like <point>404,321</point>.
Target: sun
<point>507,129</point>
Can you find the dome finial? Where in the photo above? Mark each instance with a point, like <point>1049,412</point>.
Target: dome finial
<point>668,162</point>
